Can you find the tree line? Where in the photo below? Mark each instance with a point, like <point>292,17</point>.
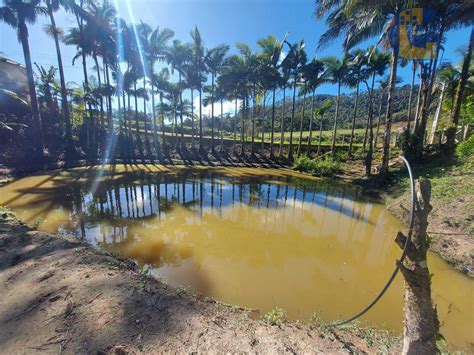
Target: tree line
<point>138,67</point>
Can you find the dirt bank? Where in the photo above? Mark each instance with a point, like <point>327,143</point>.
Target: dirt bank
<point>451,222</point>
<point>60,295</point>
<point>449,228</point>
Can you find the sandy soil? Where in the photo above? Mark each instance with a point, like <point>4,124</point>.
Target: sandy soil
<point>60,295</point>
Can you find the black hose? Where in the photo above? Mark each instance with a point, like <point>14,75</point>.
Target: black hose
<point>402,258</point>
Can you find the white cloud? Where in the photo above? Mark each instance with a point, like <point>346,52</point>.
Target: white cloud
<point>228,107</point>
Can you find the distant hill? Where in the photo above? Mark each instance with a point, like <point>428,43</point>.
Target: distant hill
<point>346,109</point>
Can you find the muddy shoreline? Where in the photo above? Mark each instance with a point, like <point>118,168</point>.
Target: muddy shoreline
<point>61,295</point>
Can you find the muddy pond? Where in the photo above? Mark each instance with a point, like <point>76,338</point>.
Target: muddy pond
<point>256,238</point>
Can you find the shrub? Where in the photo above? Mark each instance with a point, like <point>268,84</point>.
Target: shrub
<point>327,166</point>
<point>276,316</point>
<point>466,148</point>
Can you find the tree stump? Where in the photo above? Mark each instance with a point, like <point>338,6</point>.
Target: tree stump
<point>421,325</point>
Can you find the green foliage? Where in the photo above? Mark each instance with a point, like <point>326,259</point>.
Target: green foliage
<point>326,166</point>
<point>5,213</point>
<point>466,148</point>
<point>276,316</point>
<point>315,322</point>
<point>37,222</point>
<point>144,270</point>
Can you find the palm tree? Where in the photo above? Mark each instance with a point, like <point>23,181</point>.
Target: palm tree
<point>17,14</point>
<point>52,6</point>
<point>46,88</point>
<point>221,95</point>
<point>233,78</point>
<point>318,77</point>
<point>236,74</point>
<point>177,55</point>
<point>464,76</point>
<point>214,62</point>
<point>377,63</point>
<point>99,25</point>
<point>162,84</point>
<point>198,60</point>
<point>355,75</point>
<point>410,96</point>
<point>337,70</point>
<point>321,111</point>
<point>311,76</point>
<point>283,79</point>
<point>383,85</point>
<point>296,60</point>
<point>271,51</point>
<point>193,82</point>
<point>155,43</point>
<point>83,39</point>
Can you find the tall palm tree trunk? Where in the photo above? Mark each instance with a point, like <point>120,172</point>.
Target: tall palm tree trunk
<point>388,117</point>
<point>212,111</point>
<point>23,32</point>
<point>109,102</point>
<point>434,126</point>
<point>175,125</point>
<point>64,100</point>
<point>200,118</point>
<point>145,117</point>
<point>418,100</point>
<point>272,132</point>
<point>92,146</point>
<point>163,133</point>
<point>125,123</point>
<point>137,125</point>
<point>181,108</point>
<point>410,97</point>
<point>379,119</point>
<point>334,131</point>
<point>427,98</point>
<point>311,119</point>
<point>354,115</point>
<point>282,122</point>
<point>100,88</point>
<point>222,125</point>
<point>253,124</point>
<point>193,133</point>
<point>290,152</point>
<point>320,134</point>
<point>460,92</point>
<point>301,121</point>
<point>242,128</point>
<point>263,123</point>
<point>153,110</point>
<point>368,160</point>
<point>235,124</point>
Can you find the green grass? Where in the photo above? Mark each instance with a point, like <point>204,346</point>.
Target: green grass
<point>452,182</point>
<point>326,166</point>
<point>326,136</point>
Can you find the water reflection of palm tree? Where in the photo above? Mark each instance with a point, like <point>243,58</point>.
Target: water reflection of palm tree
<point>150,197</point>
<point>201,197</point>
<point>77,201</point>
<point>220,197</point>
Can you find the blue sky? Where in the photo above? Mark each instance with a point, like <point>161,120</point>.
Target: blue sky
<point>220,21</point>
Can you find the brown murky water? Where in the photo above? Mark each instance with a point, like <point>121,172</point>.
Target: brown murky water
<point>254,238</point>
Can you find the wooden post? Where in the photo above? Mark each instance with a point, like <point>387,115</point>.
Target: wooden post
<point>421,325</point>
